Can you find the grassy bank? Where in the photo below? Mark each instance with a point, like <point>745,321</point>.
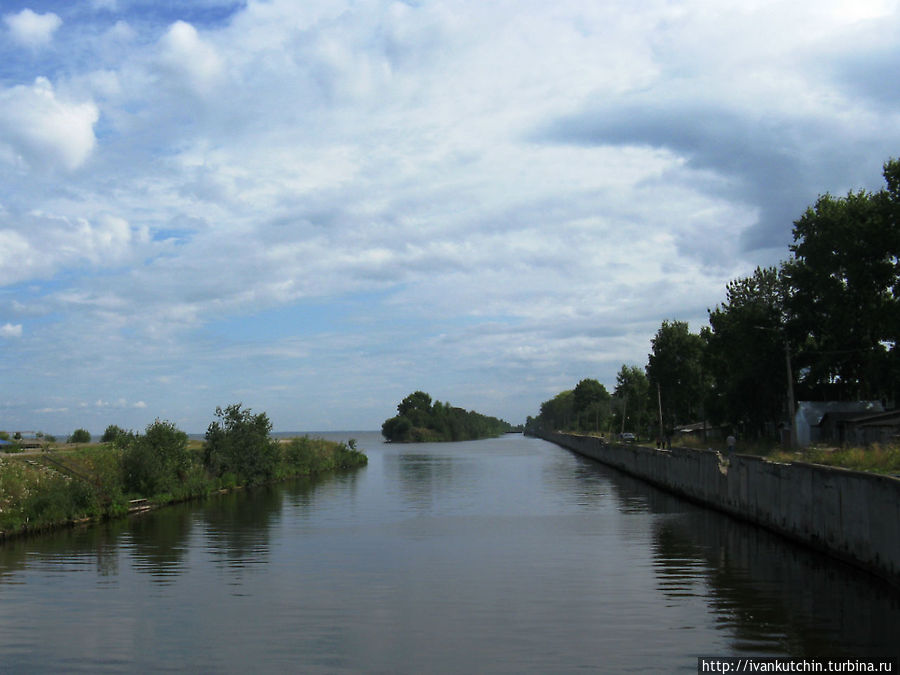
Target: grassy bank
<point>876,458</point>
<point>63,486</point>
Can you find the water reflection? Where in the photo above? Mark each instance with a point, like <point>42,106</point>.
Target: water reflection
<point>73,549</point>
<point>422,477</point>
<point>236,527</point>
<point>158,542</point>
<point>773,596</point>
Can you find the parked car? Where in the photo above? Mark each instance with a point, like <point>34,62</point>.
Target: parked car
<point>627,437</point>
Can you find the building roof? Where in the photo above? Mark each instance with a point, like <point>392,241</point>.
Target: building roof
<point>813,412</point>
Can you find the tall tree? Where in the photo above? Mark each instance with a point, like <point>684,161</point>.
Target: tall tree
<point>591,405</point>
<point>745,354</point>
<point>239,443</point>
<point>632,391</point>
<point>843,280</point>
<point>676,367</point>
<point>558,412</point>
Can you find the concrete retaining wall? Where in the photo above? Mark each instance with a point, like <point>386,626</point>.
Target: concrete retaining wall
<point>849,514</point>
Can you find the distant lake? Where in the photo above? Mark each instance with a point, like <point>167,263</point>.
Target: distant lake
<point>508,555</point>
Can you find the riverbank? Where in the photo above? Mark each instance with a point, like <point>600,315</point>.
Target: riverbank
<point>40,492</point>
<point>851,515</point>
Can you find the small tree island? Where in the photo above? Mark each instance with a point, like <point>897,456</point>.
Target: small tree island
<point>420,421</point>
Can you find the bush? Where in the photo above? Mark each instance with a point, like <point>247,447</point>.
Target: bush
<point>59,500</point>
<point>116,435</point>
<point>80,436</point>
<point>239,443</point>
<point>157,461</point>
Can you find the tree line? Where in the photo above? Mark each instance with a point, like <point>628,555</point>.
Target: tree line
<point>419,420</point>
<point>821,325</point>
<point>163,466</point>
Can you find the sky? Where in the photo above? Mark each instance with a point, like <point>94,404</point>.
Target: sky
<point>315,208</point>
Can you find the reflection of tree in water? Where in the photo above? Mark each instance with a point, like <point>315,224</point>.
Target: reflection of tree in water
<point>421,477</point>
<point>158,541</point>
<point>830,609</point>
<point>65,547</point>
<point>237,525</point>
<point>302,493</point>
<point>773,595</point>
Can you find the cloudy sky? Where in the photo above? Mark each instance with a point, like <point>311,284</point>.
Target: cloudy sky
<point>316,207</point>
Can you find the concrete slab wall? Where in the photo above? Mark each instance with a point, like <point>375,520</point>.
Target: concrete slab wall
<point>852,515</point>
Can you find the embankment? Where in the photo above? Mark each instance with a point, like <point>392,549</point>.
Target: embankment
<point>852,515</point>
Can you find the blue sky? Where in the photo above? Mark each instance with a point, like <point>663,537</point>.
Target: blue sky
<point>315,208</point>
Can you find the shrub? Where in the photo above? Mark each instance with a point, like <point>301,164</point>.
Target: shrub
<point>58,500</point>
<point>116,435</point>
<point>80,436</point>
<point>239,443</point>
<point>156,461</point>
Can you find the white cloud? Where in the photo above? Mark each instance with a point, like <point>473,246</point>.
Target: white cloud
<point>184,54</point>
<point>42,244</point>
<point>32,30</point>
<point>9,330</point>
<point>43,131</point>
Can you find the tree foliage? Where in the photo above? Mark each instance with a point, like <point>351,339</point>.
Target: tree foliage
<point>558,412</point>
<point>590,403</point>
<point>80,436</point>
<point>419,420</point>
<point>157,461</point>
<point>745,355</point>
<point>116,435</point>
<point>239,443</point>
<point>843,279</point>
<point>632,397</point>
<point>676,366</point>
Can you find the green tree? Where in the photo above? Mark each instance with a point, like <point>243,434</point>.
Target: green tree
<point>420,420</point>
<point>632,392</point>
<point>239,443</point>
<point>157,461</point>
<point>114,434</point>
<point>396,429</point>
<point>745,355</point>
<point>558,413</point>
<point>416,408</point>
<point>676,367</point>
<point>844,279</point>
<point>80,436</point>
<point>591,405</point>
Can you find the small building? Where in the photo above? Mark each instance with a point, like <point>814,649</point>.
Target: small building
<point>29,440</point>
<point>883,427</point>
<point>701,431</point>
<point>823,421</point>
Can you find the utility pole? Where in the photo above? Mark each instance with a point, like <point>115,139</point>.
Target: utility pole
<point>790,393</point>
<point>659,401</point>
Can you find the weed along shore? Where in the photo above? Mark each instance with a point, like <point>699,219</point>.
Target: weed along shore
<point>851,515</point>
<point>133,473</point>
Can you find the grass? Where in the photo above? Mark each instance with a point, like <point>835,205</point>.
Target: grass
<point>884,459</point>
<point>68,483</point>
<point>876,458</point>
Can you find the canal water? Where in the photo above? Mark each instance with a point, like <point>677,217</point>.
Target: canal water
<point>510,555</point>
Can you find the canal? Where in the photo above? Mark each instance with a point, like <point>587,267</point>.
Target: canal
<point>509,555</point>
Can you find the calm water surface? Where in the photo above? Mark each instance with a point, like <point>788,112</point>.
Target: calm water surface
<point>509,555</point>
